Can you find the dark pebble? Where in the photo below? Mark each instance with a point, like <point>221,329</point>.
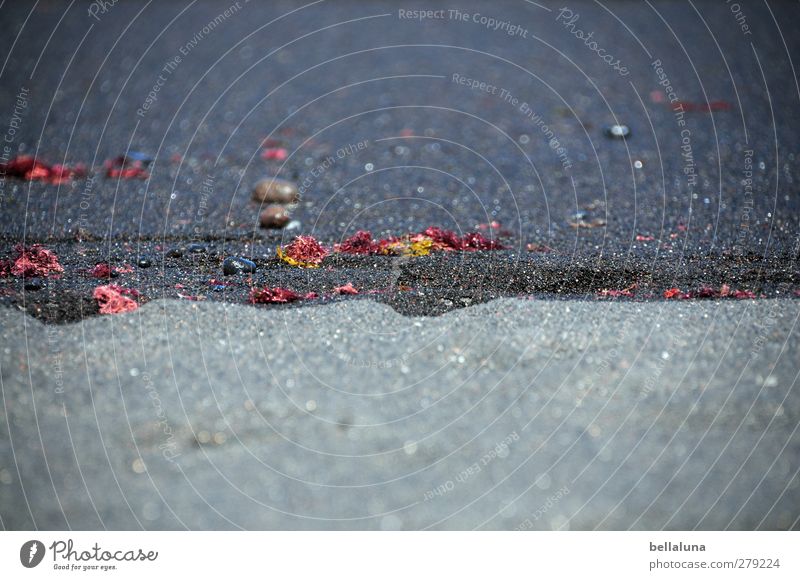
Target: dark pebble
<point>174,253</point>
<point>33,284</point>
<point>144,263</point>
<point>231,266</point>
<point>197,248</point>
<point>139,156</point>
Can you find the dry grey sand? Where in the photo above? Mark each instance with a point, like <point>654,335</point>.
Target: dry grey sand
<point>511,414</point>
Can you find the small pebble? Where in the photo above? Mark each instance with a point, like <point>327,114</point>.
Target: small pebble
<point>197,248</point>
<point>275,191</point>
<point>139,156</point>
<point>144,263</point>
<point>231,266</point>
<point>617,131</point>
<point>174,253</point>
<point>33,284</point>
<point>274,216</point>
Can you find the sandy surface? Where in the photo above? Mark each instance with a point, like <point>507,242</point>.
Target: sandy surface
<point>509,414</point>
<point>529,403</point>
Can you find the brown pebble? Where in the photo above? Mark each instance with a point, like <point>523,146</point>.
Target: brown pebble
<point>274,216</point>
<point>274,190</point>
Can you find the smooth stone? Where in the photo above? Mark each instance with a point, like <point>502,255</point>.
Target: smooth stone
<point>231,266</point>
<point>274,190</point>
<point>139,156</point>
<point>197,248</point>
<point>274,216</point>
<point>174,253</point>
<point>33,284</point>
<point>617,131</point>
<point>144,263</point>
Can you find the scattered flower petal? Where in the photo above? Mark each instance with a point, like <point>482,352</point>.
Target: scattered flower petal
<point>273,296</point>
<point>35,260</point>
<point>129,167</point>
<point>101,271</point>
<point>705,292</point>
<point>275,154</point>
<point>303,252</point>
<point>360,243</point>
<point>112,300</point>
<point>346,289</point>
<point>420,246</point>
<point>744,294</point>
<point>433,239</point>
<point>444,239</point>
<point>476,241</point>
<point>29,168</point>
<point>626,292</point>
<point>495,225</point>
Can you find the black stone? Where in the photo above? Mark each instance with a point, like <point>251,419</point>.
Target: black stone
<point>33,284</point>
<point>174,253</point>
<point>197,248</point>
<point>231,266</point>
<point>134,156</point>
<point>144,263</point>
